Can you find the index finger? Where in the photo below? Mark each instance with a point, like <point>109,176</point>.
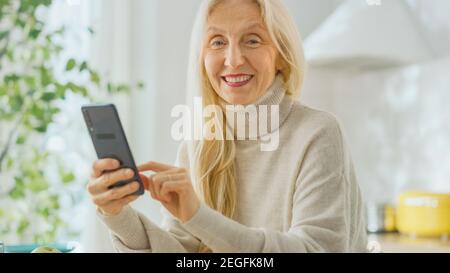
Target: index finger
<point>105,164</point>
<point>145,181</point>
<point>154,166</point>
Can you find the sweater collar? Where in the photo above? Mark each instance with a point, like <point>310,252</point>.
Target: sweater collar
<point>274,96</point>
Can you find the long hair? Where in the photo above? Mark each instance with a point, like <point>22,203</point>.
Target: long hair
<point>213,169</point>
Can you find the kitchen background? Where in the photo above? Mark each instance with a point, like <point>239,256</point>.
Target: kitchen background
<point>381,66</point>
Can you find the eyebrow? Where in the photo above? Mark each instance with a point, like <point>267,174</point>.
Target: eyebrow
<point>253,25</point>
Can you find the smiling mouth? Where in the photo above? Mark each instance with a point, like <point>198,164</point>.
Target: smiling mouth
<point>237,80</point>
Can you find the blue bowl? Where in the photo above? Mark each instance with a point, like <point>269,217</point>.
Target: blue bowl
<point>63,247</point>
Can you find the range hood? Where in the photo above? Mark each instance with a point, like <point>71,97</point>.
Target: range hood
<point>368,36</point>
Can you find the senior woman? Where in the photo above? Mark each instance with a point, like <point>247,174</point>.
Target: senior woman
<point>227,195</point>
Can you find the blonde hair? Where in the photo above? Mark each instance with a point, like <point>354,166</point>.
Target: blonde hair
<point>213,168</point>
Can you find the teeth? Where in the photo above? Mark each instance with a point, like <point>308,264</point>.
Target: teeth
<point>237,79</point>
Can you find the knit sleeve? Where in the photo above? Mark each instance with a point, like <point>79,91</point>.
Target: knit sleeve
<point>131,231</point>
<point>323,214</point>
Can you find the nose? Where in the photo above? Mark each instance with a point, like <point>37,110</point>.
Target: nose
<point>234,57</point>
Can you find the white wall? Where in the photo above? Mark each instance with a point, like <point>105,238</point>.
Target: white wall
<point>396,120</point>
<point>433,21</point>
<point>309,14</point>
<point>160,33</point>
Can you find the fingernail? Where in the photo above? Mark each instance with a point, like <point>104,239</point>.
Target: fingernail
<point>116,163</point>
<point>130,172</point>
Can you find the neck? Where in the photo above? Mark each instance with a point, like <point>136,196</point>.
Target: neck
<point>253,121</point>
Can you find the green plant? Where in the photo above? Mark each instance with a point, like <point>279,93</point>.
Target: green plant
<point>29,94</point>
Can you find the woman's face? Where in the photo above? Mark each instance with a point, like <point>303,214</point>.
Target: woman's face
<point>239,55</point>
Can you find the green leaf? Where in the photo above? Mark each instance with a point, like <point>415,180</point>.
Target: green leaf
<point>20,23</point>
<point>83,66</point>
<point>95,78</point>
<point>18,191</point>
<point>16,194</point>
<point>141,85</point>
<point>10,55</point>
<point>37,185</point>
<point>11,78</point>
<point>68,178</point>
<point>30,81</point>
<point>4,34</point>
<point>37,112</point>
<point>70,64</point>
<point>16,103</point>
<point>109,87</point>
<point>54,110</point>
<point>123,88</point>
<point>58,49</point>
<point>34,33</point>
<point>41,129</point>
<point>9,163</point>
<point>82,90</point>
<point>61,30</point>
<point>45,212</point>
<point>61,91</point>
<point>91,30</point>
<point>46,52</point>
<point>46,77</point>
<point>23,225</point>
<point>48,96</point>
<point>54,202</point>
<point>21,140</point>
<point>73,87</point>
<point>46,3</point>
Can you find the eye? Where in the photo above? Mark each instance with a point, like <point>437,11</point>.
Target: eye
<point>217,43</point>
<point>253,41</point>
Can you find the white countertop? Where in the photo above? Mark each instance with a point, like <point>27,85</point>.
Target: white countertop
<point>398,243</point>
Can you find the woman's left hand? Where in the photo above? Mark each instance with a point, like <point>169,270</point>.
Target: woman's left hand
<point>173,188</point>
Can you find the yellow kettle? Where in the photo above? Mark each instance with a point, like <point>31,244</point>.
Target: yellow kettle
<point>423,214</point>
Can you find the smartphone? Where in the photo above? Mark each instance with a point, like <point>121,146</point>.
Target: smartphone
<point>108,137</point>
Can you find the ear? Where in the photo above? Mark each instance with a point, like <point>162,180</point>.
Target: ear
<point>279,64</point>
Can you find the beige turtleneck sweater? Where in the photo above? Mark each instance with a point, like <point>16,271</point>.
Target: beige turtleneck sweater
<point>302,197</point>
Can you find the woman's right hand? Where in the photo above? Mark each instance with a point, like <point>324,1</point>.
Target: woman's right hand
<point>105,173</point>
